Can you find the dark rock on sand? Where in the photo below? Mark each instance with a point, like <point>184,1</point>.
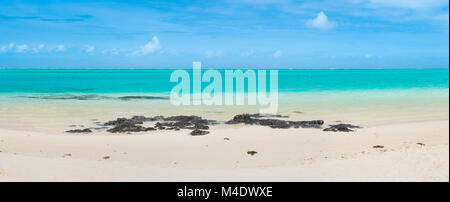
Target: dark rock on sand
<point>274,123</point>
<point>341,128</point>
<point>122,125</point>
<point>184,122</point>
<point>307,124</point>
<point>123,121</point>
<point>133,120</point>
<point>132,124</point>
<point>190,120</point>
<point>252,152</point>
<point>198,132</point>
<point>242,118</point>
<point>99,128</point>
<point>129,128</point>
<point>87,130</point>
<point>378,147</point>
<point>198,126</point>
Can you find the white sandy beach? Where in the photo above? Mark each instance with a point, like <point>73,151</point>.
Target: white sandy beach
<point>283,155</point>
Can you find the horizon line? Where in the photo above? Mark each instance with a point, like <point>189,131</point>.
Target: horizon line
<point>221,68</point>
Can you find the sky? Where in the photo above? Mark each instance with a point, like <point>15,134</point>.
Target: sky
<point>224,34</point>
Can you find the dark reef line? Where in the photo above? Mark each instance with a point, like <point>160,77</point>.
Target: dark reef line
<point>93,97</point>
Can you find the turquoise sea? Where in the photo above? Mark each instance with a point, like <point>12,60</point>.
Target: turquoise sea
<point>105,81</point>
<point>44,98</point>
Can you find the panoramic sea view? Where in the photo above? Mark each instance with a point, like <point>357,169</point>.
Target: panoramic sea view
<point>224,91</point>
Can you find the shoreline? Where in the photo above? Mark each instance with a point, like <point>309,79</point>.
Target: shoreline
<point>32,132</point>
<point>362,108</point>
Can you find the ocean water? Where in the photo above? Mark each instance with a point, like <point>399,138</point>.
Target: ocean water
<point>103,81</point>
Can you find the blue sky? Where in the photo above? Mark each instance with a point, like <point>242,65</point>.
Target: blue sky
<point>224,34</point>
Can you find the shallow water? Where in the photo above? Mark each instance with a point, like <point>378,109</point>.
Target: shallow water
<point>50,100</point>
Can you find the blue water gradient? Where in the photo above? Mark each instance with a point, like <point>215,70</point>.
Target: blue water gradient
<point>103,81</point>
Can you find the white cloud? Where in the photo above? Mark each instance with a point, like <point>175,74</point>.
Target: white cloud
<point>277,54</point>
<point>150,47</point>
<point>248,53</point>
<point>22,48</point>
<point>321,22</point>
<point>60,48</point>
<point>39,48</point>
<point>89,48</point>
<point>410,4</point>
<point>5,48</point>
